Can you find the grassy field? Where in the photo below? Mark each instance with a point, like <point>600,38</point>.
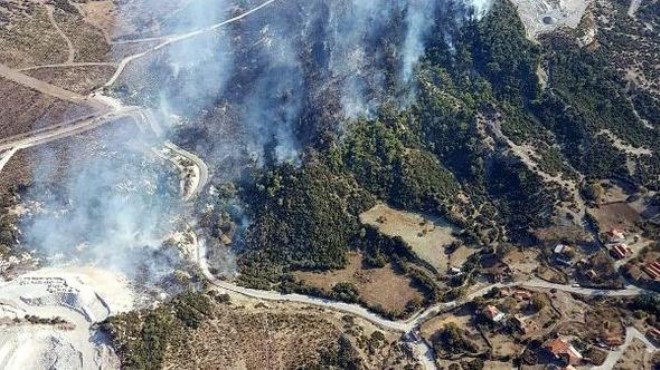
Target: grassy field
<point>377,286</point>
<point>427,237</point>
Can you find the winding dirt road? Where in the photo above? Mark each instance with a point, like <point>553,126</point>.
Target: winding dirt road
<point>71,52</point>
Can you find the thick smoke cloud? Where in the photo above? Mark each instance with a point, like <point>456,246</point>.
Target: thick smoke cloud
<point>286,60</point>
<point>241,92</point>
<point>113,208</point>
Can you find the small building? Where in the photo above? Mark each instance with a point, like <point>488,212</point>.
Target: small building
<point>652,269</point>
<point>561,248</point>
<point>590,274</point>
<point>620,251</point>
<point>654,335</point>
<point>493,314</point>
<point>455,271</point>
<point>562,351</point>
<point>615,236</point>
<point>522,295</point>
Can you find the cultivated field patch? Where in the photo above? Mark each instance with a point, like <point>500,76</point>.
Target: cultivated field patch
<point>384,286</point>
<point>428,237</point>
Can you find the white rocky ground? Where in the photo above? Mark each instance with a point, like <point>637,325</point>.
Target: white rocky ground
<point>541,16</point>
<point>79,297</point>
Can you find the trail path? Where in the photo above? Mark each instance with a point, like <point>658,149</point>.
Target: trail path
<point>70,49</point>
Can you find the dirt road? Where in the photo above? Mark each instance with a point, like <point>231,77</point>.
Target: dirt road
<point>48,89</point>
<point>71,52</point>
<point>614,356</point>
<point>61,132</point>
<point>176,38</point>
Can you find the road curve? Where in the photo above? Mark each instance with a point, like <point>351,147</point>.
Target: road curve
<point>71,52</point>
<point>614,356</point>
<point>201,166</point>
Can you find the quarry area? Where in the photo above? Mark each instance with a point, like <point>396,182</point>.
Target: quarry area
<point>543,16</point>
<point>232,211</point>
<point>48,318</point>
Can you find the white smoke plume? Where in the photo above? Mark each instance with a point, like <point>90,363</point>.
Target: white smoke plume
<point>241,92</point>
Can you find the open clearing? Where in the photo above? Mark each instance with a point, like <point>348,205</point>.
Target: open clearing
<point>427,237</point>
<point>542,16</point>
<point>377,286</point>
<point>615,215</point>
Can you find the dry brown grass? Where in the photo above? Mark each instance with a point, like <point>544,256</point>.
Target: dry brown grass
<point>573,310</point>
<point>81,80</point>
<point>427,237</point>
<point>23,110</point>
<point>635,357</point>
<point>240,338</point>
<point>249,334</point>
<point>603,321</point>
<point>522,263</point>
<point>615,215</point>
<point>101,14</point>
<point>88,41</point>
<point>376,286</point>
<point>30,39</point>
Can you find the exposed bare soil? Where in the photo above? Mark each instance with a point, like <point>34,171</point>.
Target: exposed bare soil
<point>615,215</point>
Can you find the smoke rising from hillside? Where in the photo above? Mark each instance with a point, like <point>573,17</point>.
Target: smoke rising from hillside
<point>287,59</point>
<point>101,201</point>
<point>242,90</point>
